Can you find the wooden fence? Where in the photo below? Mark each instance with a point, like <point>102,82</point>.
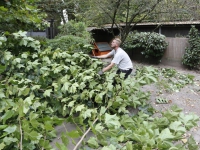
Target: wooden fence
<point>175,51</point>
<point>172,56</point>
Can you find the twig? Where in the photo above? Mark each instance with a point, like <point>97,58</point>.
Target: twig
<point>79,142</point>
<point>20,128</point>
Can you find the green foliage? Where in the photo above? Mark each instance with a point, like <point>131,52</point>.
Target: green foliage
<point>151,45</point>
<point>170,80</point>
<point>71,43</point>
<point>191,58</point>
<point>18,15</point>
<point>74,28</point>
<point>73,37</point>
<point>42,89</point>
<point>18,42</point>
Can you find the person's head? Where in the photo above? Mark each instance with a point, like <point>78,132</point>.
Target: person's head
<point>115,43</point>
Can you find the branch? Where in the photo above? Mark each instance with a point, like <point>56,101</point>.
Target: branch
<point>21,135</point>
<point>87,131</point>
<point>84,135</point>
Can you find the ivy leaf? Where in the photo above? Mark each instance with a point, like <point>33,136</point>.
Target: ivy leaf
<point>10,129</point>
<point>64,138</point>
<point>112,121</point>
<point>110,147</point>
<point>129,146</point>
<point>35,87</point>
<point>47,93</point>
<point>58,69</point>
<point>2,145</point>
<point>79,108</point>
<point>99,97</point>
<point>99,128</point>
<point>7,115</point>
<point>189,120</point>
<point>9,140</point>
<point>192,145</point>
<point>65,87</point>
<point>166,135</point>
<point>33,135</point>
<point>177,127</point>
<point>71,104</point>
<point>61,146</point>
<point>73,88</point>
<point>24,91</point>
<point>86,78</point>
<point>103,110</point>
<point>87,113</point>
<point>92,142</point>
<point>2,68</point>
<point>7,55</point>
<point>73,134</point>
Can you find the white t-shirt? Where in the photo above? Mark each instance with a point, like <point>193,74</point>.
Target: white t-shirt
<point>121,59</point>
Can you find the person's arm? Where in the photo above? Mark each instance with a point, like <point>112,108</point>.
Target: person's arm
<point>108,67</point>
<point>106,55</point>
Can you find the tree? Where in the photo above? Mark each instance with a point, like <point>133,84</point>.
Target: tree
<point>19,15</point>
<point>115,12</point>
<point>176,10</point>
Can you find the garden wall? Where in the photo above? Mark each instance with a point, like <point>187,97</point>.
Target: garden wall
<point>175,51</point>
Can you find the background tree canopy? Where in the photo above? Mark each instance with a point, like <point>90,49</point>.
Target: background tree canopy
<point>18,15</point>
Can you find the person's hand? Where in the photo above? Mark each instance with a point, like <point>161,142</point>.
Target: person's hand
<point>93,56</point>
<point>100,72</point>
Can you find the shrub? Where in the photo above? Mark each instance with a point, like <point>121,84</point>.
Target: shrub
<point>74,28</point>
<point>70,43</point>
<point>152,45</point>
<point>72,37</point>
<point>191,58</point>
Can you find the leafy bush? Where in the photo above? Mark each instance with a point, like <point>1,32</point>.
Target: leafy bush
<point>191,58</point>
<point>152,45</point>
<point>70,43</point>
<point>73,36</point>
<point>18,42</point>
<point>74,28</point>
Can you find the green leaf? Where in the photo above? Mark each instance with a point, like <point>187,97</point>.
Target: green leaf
<point>65,87</point>
<point>2,127</point>
<point>166,135</point>
<point>71,104</point>
<point>192,145</point>
<point>99,128</point>
<point>110,147</point>
<point>33,135</point>
<point>35,87</point>
<point>61,146</point>
<point>177,127</point>
<point>2,68</point>
<point>73,88</point>
<point>87,113</point>
<point>86,78</point>
<point>112,121</point>
<point>92,142</point>
<point>10,129</point>
<point>64,138</point>
<point>34,123</point>
<point>2,145</point>
<point>103,110</point>
<point>9,140</point>
<point>129,146</point>
<point>73,134</point>
<point>47,93</point>
<point>7,115</point>
<point>48,126</point>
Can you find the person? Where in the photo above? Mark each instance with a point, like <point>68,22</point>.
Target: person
<point>121,59</point>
